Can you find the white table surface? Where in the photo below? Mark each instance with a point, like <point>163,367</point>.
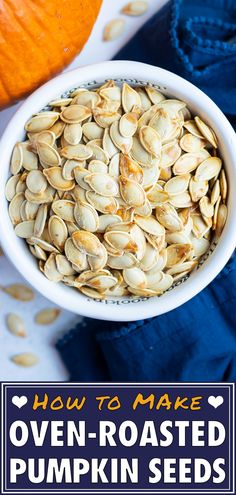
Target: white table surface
<point>40,339</point>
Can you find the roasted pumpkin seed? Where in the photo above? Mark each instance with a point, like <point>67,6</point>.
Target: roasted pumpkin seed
<point>113,29</point>
<point>16,325</point>
<point>135,8</point>
<point>25,359</point>
<point>19,291</point>
<point>47,316</point>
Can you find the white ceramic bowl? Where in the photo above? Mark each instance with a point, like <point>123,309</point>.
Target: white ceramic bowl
<point>124,309</point>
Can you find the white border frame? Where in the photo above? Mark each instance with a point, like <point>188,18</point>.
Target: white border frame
<point>181,491</point>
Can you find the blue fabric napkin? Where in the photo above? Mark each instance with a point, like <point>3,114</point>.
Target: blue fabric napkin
<point>196,39</point>
<point>196,342</point>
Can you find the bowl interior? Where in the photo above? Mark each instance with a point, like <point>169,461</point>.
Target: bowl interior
<point>125,308</point>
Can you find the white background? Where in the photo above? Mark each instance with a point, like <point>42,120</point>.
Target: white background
<point>41,339</point>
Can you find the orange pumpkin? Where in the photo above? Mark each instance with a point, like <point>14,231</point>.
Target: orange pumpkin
<point>38,39</point>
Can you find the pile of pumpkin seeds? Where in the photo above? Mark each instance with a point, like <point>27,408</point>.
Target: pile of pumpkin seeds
<point>117,190</point>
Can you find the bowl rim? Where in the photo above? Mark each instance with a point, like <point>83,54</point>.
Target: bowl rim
<point>59,293</point>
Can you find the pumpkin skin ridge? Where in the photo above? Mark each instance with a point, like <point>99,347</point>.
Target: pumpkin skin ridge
<point>22,25</point>
<point>4,89</point>
<point>5,54</point>
<point>39,40</point>
<point>11,61</point>
<point>34,11</point>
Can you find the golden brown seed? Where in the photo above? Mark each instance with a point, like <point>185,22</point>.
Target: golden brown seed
<point>74,114</point>
<point>20,292</point>
<point>208,169</point>
<point>221,219</point>
<point>135,8</point>
<point>87,242</point>
<point>17,159</point>
<point>47,316</point>
<point>78,152</point>
<point>114,29</point>
<point>206,207</point>
<point>223,185</point>
<point>25,359</point>
<point>56,180</point>
<point>150,140</point>
<point>206,131</point>
<point>15,325</point>
<point>36,182</point>
<point>132,192</point>
<point>130,169</point>
<point>57,231</point>
<point>128,124</point>
<point>177,253</point>
<point>15,208</point>
<point>42,121</point>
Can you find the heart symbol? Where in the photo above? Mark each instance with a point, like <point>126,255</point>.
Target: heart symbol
<point>19,401</point>
<point>215,401</point>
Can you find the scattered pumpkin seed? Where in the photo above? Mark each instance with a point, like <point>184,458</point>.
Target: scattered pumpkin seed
<point>135,8</point>
<point>15,325</point>
<point>47,316</point>
<point>19,291</point>
<point>114,29</point>
<point>25,359</point>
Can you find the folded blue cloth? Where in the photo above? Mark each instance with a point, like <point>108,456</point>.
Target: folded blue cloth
<point>196,342</point>
<point>196,39</point>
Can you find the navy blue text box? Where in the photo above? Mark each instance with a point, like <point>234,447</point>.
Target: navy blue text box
<point>117,438</point>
